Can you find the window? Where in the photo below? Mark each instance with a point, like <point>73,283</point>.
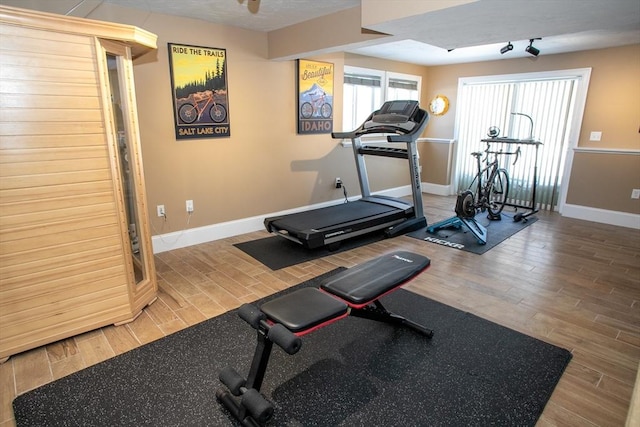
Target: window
<point>365,90</point>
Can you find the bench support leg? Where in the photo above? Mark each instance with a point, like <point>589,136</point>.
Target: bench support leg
<point>260,361</point>
<point>238,411</point>
<point>252,410</point>
<point>379,313</point>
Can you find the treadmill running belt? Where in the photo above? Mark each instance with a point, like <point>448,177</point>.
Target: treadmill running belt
<point>333,216</point>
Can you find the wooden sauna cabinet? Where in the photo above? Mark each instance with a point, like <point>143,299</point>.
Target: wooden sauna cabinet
<point>75,245</point>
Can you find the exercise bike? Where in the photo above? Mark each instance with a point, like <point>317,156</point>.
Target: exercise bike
<point>483,195</point>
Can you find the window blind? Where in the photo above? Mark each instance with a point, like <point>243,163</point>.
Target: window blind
<point>362,80</point>
<point>549,103</point>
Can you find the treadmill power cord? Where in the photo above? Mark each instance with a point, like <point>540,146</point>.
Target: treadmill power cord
<point>344,191</point>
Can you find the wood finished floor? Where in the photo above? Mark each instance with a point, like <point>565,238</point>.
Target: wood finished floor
<point>572,283</point>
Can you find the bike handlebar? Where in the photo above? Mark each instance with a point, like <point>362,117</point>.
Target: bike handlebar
<point>506,153</point>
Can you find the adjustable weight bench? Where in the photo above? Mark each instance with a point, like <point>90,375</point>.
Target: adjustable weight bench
<point>353,292</point>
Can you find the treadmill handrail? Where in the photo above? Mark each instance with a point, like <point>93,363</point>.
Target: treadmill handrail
<point>341,135</point>
<point>400,138</point>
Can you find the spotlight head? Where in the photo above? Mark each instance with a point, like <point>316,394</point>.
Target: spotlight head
<point>532,50</point>
<point>506,48</point>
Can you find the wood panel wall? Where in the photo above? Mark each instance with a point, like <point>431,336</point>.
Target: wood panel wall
<point>61,250</point>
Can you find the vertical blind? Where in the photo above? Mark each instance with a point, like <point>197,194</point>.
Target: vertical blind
<point>549,103</point>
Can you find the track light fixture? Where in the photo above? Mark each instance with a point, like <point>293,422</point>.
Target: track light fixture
<point>532,50</point>
<point>529,49</point>
<point>506,48</point>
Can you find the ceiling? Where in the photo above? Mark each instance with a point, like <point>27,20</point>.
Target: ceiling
<point>454,31</point>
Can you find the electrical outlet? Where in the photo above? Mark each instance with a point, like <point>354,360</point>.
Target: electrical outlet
<point>189,206</point>
<point>635,193</point>
<point>161,211</point>
<point>338,182</point>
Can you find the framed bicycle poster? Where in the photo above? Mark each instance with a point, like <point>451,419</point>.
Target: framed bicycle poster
<point>199,87</point>
<point>315,97</point>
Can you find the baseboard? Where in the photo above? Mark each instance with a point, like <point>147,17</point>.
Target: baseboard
<point>622,219</point>
<point>437,189</point>
<point>209,233</point>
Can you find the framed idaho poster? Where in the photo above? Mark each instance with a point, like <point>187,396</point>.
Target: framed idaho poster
<point>200,96</point>
<point>315,97</point>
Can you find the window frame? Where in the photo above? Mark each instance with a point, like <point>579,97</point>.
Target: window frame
<point>385,78</point>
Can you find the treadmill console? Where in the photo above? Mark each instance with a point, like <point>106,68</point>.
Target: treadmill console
<point>393,114</point>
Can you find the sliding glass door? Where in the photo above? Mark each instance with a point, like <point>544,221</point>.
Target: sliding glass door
<point>507,102</point>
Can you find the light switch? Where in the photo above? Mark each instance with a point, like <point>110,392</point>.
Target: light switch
<point>595,136</point>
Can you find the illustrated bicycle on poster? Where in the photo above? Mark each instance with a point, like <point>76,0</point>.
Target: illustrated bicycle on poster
<point>202,107</point>
<point>316,106</point>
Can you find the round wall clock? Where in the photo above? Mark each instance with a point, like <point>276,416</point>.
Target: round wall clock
<point>439,105</point>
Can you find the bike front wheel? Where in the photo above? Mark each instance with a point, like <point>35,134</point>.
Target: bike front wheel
<point>218,113</point>
<point>326,110</point>
<point>498,192</point>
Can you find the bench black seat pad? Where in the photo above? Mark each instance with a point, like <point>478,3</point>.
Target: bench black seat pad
<point>304,309</point>
<point>367,282</point>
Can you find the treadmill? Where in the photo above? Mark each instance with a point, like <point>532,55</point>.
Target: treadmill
<point>401,122</point>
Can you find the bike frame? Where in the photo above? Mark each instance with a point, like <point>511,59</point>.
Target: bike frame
<point>200,110</point>
<point>483,190</point>
<point>201,106</point>
<point>317,105</point>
